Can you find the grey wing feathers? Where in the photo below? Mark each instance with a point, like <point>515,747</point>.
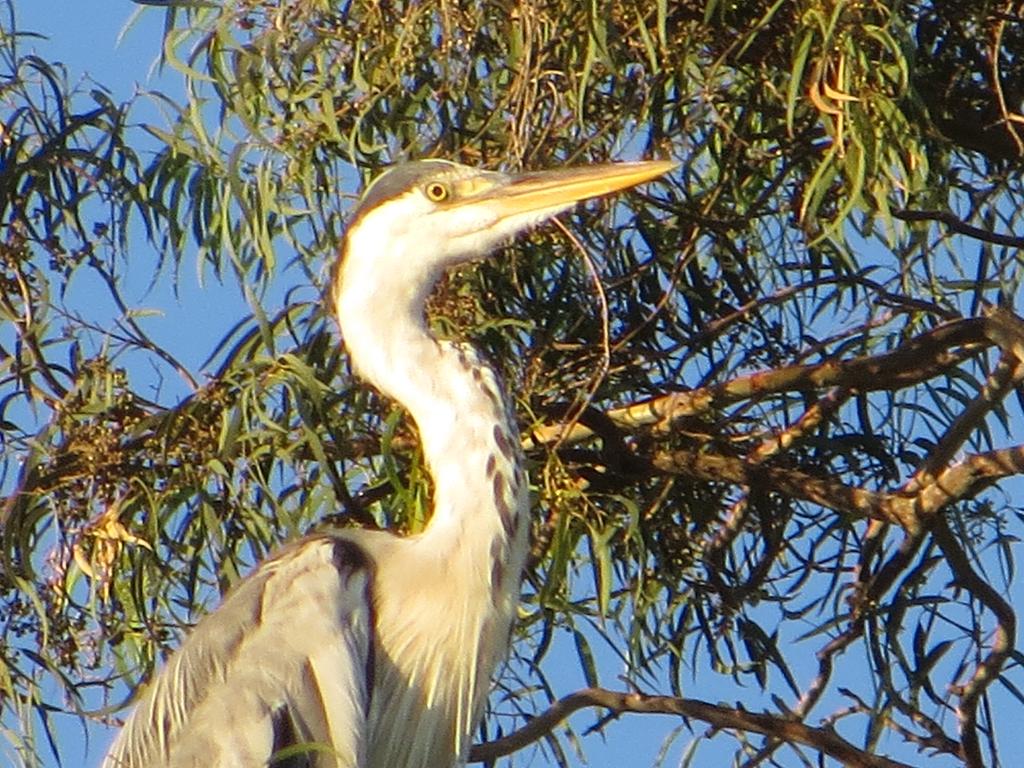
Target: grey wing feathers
<point>287,659</point>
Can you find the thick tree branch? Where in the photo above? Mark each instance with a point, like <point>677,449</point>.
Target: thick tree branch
<point>919,359</point>
<point>909,510</point>
<point>824,739</point>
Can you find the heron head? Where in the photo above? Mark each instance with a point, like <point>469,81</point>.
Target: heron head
<point>427,215</point>
<point>420,218</point>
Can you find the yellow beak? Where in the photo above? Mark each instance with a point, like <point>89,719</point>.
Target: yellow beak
<point>563,186</point>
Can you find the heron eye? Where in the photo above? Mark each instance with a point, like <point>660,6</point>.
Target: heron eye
<point>437,192</point>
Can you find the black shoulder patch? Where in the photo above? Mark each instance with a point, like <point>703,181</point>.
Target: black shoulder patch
<point>286,739</point>
<point>348,557</point>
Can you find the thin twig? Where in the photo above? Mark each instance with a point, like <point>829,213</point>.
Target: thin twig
<point>1002,644</point>
<point>583,403</point>
<point>960,226</point>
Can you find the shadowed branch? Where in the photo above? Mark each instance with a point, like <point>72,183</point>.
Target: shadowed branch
<point>823,739</point>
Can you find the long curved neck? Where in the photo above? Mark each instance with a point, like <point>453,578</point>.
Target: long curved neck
<point>469,438</point>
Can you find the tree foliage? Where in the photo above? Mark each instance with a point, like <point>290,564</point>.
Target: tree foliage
<point>776,470</point>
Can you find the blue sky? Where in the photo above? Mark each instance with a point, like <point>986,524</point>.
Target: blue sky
<point>85,36</point>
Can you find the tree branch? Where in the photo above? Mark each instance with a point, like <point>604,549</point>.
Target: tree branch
<point>960,226</point>
<point>910,510</point>
<point>824,740</point>
<point>1008,373</point>
<point>1002,644</point>
<point>919,359</point>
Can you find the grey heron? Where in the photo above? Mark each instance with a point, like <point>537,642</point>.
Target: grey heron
<point>358,648</point>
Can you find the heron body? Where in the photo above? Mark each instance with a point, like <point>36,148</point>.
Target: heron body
<point>360,649</point>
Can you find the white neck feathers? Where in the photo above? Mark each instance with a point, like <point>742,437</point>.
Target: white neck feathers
<point>469,437</point>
